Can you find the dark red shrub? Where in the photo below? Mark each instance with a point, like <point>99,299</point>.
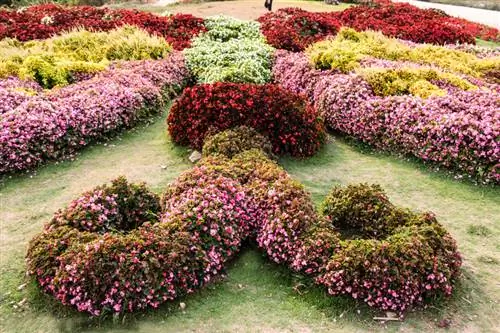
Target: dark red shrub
<point>294,29</point>
<point>27,24</point>
<point>287,119</point>
<point>408,22</point>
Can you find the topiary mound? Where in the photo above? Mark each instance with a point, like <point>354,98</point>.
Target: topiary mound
<point>294,29</point>
<point>115,250</point>
<point>393,258</point>
<point>230,50</point>
<point>287,119</point>
<point>237,140</point>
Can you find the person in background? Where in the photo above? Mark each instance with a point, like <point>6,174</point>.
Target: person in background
<point>268,4</point>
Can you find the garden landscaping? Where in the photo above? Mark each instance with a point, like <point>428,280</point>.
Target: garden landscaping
<point>251,96</point>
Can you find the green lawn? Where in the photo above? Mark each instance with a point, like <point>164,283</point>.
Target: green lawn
<point>256,295</point>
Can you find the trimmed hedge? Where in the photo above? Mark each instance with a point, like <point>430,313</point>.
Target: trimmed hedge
<point>43,126</point>
<point>456,131</point>
<point>409,22</point>
<point>295,29</point>
<point>126,254</point>
<point>396,259</point>
<point>63,59</point>
<point>231,142</point>
<point>290,123</point>
<point>45,21</point>
<point>230,51</point>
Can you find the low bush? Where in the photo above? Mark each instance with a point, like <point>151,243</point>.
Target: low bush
<point>406,81</point>
<point>456,131</point>
<point>405,21</point>
<point>230,51</point>
<point>117,207</point>
<point>349,48</point>
<point>294,29</point>
<point>60,60</point>
<point>44,21</point>
<point>290,123</point>
<point>118,258</point>
<point>55,125</point>
<point>400,258</point>
<point>235,141</point>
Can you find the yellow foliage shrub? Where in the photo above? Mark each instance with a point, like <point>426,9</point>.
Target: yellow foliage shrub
<point>52,62</point>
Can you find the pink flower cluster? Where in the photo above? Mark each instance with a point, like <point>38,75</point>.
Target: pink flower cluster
<point>458,131</point>
<point>37,126</point>
<point>115,249</point>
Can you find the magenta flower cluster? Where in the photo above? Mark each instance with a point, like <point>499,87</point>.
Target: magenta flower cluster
<point>459,131</point>
<point>37,126</point>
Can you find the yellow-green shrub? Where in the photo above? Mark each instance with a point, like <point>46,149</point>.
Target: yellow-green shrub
<point>345,51</point>
<point>52,62</point>
<point>417,81</point>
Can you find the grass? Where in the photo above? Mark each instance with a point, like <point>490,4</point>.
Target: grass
<point>256,296</point>
<point>487,43</point>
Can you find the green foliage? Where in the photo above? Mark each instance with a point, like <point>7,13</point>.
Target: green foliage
<point>367,209</point>
<point>417,81</point>
<point>230,51</point>
<point>223,28</point>
<point>53,62</point>
<point>349,47</point>
<point>237,140</point>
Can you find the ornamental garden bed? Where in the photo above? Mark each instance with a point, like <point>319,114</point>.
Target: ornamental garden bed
<point>246,93</point>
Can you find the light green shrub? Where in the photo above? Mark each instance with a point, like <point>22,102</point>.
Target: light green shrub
<point>230,51</point>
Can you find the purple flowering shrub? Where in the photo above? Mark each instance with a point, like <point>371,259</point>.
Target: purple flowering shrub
<point>458,131</point>
<point>37,127</point>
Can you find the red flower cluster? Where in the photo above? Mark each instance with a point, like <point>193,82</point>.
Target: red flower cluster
<point>294,29</point>
<point>408,22</point>
<point>44,21</point>
<point>290,122</point>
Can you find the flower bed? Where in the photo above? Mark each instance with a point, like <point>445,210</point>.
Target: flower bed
<point>56,124</point>
<point>44,21</point>
<point>408,22</point>
<point>230,51</point>
<point>453,128</point>
<point>294,29</point>
<point>63,59</point>
<point>126,254</point>
<point>397,258</point>
<point>291,124</point>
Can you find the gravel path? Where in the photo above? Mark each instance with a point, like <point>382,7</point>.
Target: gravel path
<point>485,16</point>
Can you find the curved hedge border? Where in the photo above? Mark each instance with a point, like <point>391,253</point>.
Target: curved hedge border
<point>230,50</point>
<point>290,123</point>
<point>128,255</point>
<point>294,29</point>
<point>44,21</point>
<point>457,131</point>
<point>61,60</point>
<point>37,126</point>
